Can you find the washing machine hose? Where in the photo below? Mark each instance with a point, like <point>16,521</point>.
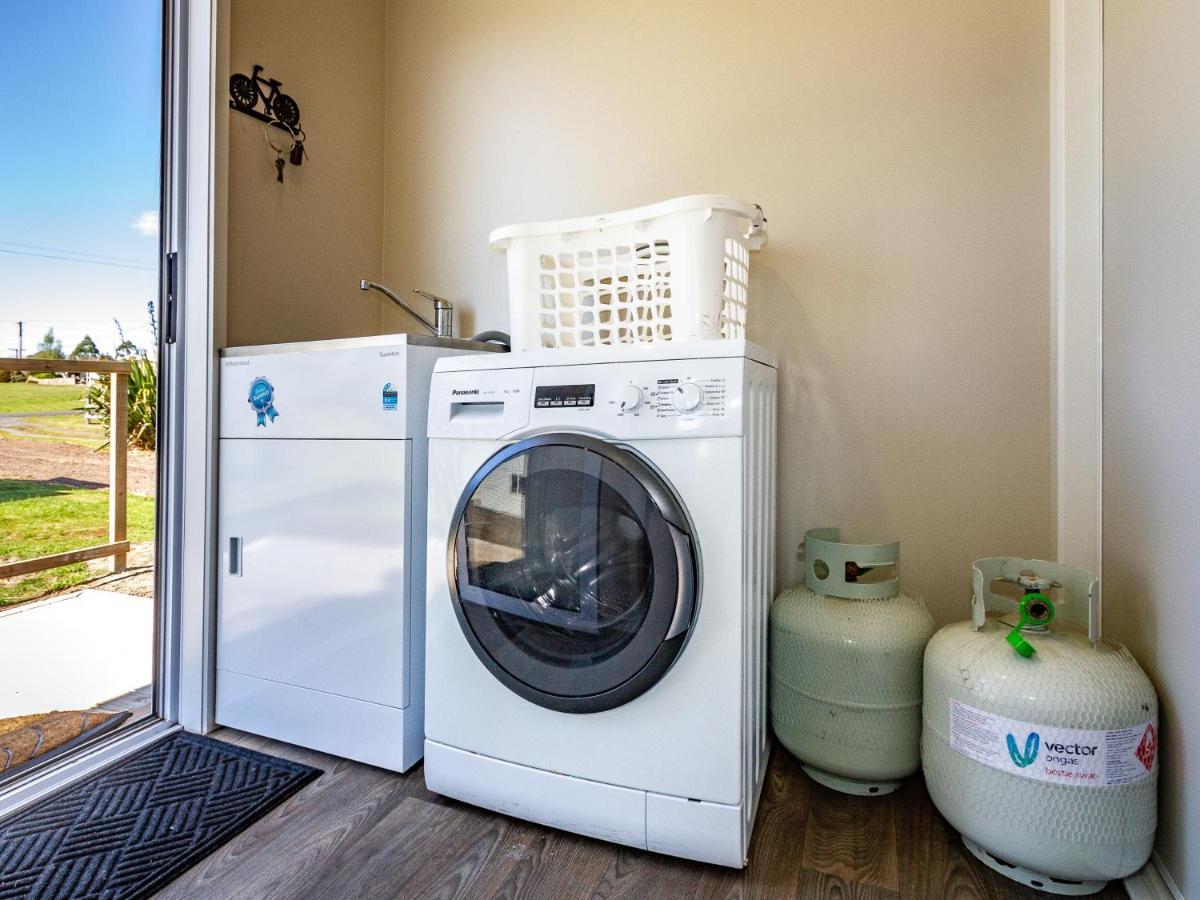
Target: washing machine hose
<point>494,337</point>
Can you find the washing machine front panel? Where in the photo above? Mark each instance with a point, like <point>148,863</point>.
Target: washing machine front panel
<point>688,737</point>
<point>573,572</point>
<point>675,738</point>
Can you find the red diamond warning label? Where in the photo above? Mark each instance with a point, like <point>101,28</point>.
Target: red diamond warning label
<point>1147,747</point>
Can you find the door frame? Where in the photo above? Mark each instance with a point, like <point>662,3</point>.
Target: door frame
<point>1077,340</point>
<point>1076,209</point>
<point>185,515</point>
<point>188,634</point>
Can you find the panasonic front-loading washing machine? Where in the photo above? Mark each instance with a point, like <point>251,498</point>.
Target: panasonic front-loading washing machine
<point>601,544</point>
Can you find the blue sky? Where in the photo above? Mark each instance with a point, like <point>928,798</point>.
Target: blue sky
<point>79,168</point>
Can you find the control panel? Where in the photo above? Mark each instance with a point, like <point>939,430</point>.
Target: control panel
<point>552,395</point>
<point>698,396</point>
<point>629,399</point>
<point>663,397</point>
<point>643,398</point>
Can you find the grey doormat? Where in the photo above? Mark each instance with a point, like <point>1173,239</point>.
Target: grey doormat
<point>131,828</point>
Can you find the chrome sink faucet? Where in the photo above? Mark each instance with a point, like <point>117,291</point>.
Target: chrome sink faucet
<point>443,310</point>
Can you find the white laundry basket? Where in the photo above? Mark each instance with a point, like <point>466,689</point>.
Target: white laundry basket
<point>676,270</point>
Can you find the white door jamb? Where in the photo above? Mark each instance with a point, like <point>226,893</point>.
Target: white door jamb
<point>1076,211</point>
<point>1076,272</point>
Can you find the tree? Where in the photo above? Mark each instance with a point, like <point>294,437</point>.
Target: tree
<point>50,347</point>
<point>85,349</point>
<point>153,321</point>
<point>127,349</point>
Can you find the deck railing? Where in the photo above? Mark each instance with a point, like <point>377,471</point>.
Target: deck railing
<point>118,463</point>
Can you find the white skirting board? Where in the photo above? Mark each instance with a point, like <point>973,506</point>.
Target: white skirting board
<point>1153,882</point>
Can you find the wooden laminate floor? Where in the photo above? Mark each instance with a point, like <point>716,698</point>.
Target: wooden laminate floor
<point>362,832</point>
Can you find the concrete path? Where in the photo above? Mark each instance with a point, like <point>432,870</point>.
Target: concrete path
<point>74,652</point>
<point>16,418</point>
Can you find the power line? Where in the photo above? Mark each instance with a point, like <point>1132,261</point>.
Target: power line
<point>64,320</point>
<point>70,323</point>
<point>94,262</point>
<point>107,257</point>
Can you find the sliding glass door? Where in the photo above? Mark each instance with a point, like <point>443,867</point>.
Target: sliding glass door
<point>85,321</point>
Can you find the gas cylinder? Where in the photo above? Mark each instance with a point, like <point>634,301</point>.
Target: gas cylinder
<point>845,666</point>
<point>1040,738</point>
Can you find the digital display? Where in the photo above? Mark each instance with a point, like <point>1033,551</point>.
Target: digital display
<point>556,395</point>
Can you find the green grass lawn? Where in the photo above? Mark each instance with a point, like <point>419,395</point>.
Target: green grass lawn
<point>38,518</point>
<point>68,428</point>
<point>25,397</point>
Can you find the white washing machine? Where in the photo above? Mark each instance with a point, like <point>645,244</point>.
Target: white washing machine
<point>601,544</point>
<point>321,529</point>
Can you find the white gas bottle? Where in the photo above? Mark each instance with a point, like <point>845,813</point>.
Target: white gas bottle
<point>845,666</point>
<point>1040,743</point>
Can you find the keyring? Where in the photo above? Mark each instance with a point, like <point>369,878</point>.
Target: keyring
<point>283,126</point>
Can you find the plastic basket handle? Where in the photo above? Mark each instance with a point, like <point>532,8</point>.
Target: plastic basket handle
<point>756,226</point>
<point>1078,606</point>
<point>756,234</point>
<point>824,553</point>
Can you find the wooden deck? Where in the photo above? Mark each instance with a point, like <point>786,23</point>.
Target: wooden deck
<point>361,832</point>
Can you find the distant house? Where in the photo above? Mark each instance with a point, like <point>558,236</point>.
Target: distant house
<point>56,379</point>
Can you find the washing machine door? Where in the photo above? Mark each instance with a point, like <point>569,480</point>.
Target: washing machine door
<point>573,572</point>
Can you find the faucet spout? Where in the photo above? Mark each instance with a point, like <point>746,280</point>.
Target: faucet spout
<point>443,310</point>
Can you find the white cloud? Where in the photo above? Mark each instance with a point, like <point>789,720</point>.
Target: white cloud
<point>146,223</point>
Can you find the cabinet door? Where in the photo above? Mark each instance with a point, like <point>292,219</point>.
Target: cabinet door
<point>313,577</point>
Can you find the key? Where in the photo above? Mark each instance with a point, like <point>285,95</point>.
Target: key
<point>279,169</point>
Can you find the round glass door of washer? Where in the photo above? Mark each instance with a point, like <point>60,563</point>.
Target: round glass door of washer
<point>573,572</point>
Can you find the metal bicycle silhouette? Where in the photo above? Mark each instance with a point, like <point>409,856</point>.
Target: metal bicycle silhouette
<point>247,91</point>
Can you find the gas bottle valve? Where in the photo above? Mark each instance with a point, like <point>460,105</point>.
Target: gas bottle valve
<point>1036,609</point>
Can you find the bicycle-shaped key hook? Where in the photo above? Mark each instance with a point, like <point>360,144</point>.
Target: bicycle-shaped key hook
<point>247,91</point>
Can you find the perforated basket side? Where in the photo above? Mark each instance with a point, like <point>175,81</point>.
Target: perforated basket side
<point>735,288</point>
<point>618,294</point>
<point>676,277</point>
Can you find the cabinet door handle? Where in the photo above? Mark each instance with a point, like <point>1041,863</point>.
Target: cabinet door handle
<point>235,556</point>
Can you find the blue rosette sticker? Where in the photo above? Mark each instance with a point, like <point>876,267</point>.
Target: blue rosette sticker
<point>262,401</point>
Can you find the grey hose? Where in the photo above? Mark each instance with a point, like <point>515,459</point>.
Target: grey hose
<point>494,337</point>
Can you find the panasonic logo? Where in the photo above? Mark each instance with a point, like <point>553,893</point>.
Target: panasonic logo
<point>457,393</point>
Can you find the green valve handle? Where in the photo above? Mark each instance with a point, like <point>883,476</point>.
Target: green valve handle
<point>1036,609</point>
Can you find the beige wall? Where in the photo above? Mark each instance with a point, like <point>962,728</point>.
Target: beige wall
<point>1151,376</point>
<point>901,153</point>
<point>296,250</point>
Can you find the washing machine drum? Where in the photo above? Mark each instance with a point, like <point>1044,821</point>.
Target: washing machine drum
<point>573,572</point>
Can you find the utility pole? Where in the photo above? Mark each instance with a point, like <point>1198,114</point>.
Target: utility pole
<point>20,340</point>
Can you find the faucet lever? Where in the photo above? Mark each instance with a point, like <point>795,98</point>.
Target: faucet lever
<point>443,309</point>
<point>443,312</point>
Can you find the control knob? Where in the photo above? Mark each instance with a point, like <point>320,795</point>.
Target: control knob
<point>630,398</point>
<point>687,396</point>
